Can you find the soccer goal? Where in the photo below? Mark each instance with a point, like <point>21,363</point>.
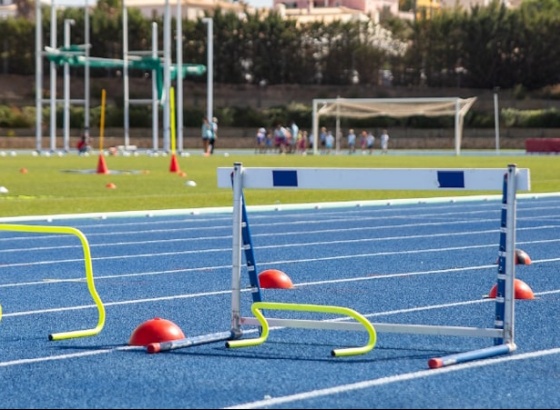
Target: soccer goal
<point>391,107</point>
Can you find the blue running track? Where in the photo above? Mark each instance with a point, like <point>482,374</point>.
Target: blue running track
<point>410,262</point>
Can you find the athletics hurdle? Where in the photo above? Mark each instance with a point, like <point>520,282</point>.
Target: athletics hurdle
<point>66,230</point>
<point>510,181</point>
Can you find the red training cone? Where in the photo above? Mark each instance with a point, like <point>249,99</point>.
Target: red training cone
<point>274,278</point>
<point>521,291</point>
<point>174,167</point>
<point>102,166</point>
<point>155,330</point>
<point>521,258</point>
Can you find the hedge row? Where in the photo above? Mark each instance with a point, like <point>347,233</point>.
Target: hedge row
<point>141,117</point>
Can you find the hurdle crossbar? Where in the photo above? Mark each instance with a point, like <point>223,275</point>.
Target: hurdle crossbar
<point>509,181</point>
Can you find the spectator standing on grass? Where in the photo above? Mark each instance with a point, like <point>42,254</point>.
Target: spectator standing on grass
<point>370,140</point>
<point>83,145</point>
<point>329,142</point>
<point>363,140</point>
<point>269,140</point>
<point>261,140</point>
<point>214,136</point>
<point>280,138</point>
<point>322,138</point>
<point>302,142</point>
<point>351,141</point>
<point>295,134</point>
<point>206,133</point>
<point>384,138</point>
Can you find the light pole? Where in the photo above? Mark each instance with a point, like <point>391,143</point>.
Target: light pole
<point>179,109</point>
<point>166,76</point>
<point>86,71</point>
<point>67,24</point>
<point>209,67</point>
<point>53,78</point>
<point>496,119</point>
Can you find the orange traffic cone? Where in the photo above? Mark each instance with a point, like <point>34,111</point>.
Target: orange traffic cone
<point>174,167</point>
<point>102,166</point>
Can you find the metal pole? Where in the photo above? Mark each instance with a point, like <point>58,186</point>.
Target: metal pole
<point>166,75</point>
<point>53,78</point>
<point>38,75</point>
<point>86,71</point>
<point>155,108</point>
<point>210,68</point>
<point>496,120</point>
<point>125,78</point>
<point>337,127</point>
<point>179,105</point>
<point>458,129</point>
<point>315,127</point>
<point>67,24</point>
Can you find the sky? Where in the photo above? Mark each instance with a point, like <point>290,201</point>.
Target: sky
<point>260,3</point>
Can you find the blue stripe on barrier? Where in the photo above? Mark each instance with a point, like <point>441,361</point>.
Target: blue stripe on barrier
<point>451,179</point>
<point>284,178</point>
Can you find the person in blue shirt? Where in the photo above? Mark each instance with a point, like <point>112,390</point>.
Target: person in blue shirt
<point>206,133</point>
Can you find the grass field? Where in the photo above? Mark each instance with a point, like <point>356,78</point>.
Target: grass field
<point>40,185</point>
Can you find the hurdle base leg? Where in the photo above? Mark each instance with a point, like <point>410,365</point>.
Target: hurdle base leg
<point>193,341</point>
<point>438,362</point>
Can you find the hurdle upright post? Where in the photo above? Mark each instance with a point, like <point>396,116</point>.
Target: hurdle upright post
<point>505,283</point>
<point>236,248</point>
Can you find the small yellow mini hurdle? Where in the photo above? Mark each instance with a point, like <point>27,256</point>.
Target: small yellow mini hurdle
<point>257,307</point>
<point>66,230</point>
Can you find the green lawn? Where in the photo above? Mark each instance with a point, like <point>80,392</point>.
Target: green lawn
<point>70,184</point>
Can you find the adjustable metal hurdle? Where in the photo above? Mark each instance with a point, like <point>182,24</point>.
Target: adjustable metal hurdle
<point>509,181</point>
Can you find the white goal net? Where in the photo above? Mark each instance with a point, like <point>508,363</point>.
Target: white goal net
<point>391,107</point>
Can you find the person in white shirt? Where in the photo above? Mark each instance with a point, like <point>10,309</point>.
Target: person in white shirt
<point>214,136</point>
<point>370,140</point>
<point>384,139</point>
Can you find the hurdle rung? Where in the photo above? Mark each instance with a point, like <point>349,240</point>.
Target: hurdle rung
<point>380,327</point>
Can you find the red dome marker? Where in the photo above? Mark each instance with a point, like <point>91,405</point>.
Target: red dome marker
<point>521,291</point>
<point>155,330</point>
<point>275,279</point>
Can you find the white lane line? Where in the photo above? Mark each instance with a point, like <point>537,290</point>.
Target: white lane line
<point>390,379</point>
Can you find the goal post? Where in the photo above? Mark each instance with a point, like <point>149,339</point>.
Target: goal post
<point>392,107</point>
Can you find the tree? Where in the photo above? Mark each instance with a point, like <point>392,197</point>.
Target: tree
<point>25,9</point>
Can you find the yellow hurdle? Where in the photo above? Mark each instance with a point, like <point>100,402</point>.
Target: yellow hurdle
<point>89,275</point>
<point>256,308</point>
